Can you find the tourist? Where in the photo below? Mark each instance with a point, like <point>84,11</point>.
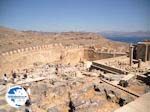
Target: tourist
<point>45,94</point>
<point>25,76</point>
<point>28,106</point>
<point>28,102</point>
<point>29,91</point>
<point>56,69</point>
<point>5,79</point>
<point>14,77</point>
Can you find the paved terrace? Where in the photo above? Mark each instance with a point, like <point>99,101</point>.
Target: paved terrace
<point>142,104</point>
<point>120,65</point>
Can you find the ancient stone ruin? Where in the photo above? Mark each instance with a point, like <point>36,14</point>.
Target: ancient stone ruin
<point>77,78</point>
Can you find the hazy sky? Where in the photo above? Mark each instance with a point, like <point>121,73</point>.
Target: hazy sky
<point>76,15</point>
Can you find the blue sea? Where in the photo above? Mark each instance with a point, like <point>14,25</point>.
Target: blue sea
<point>128,39</point>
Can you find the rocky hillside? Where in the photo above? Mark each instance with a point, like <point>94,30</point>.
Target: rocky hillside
<point>11,39</point>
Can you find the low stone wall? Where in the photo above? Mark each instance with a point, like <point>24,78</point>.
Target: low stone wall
<point>92,55</point>
<point>108,68</point>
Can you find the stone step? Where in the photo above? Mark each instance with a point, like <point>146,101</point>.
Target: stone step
<point>2,90</point>
<point>129,77</point>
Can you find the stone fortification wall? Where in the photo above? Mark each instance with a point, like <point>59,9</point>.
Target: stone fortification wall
<point>24,58</point>
<point>91,55</point>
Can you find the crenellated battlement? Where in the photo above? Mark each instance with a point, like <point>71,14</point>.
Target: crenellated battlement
<point>37,48</point>
<point>72,54</point>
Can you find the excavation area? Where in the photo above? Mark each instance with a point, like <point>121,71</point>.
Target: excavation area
<point>83,87</point>
<point>104,77</point>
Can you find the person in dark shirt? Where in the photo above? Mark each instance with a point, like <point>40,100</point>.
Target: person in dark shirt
<point>14,76</point>
<point>24,76</point>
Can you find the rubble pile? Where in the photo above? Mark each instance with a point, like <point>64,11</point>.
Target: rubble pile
<point>123,64</point>
<point>71,88</point>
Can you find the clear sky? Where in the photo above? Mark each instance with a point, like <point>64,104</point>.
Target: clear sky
<point>76,15</point>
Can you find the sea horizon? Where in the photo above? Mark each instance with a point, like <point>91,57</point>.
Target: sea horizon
<point>126,39</point>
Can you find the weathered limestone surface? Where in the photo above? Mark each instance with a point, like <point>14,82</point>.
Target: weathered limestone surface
<point>9,61</point>
<point>141,104</point>
<point>72,83</point>
<point>25,58</point>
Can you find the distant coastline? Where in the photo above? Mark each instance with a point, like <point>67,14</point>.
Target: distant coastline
<point>127,39</point>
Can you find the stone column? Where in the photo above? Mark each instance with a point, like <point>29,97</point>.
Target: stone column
<point>146,52</point>
<point>139,63</point>
<point>131,54</point>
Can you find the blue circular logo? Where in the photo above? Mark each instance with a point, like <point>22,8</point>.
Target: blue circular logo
<point>16,96</point>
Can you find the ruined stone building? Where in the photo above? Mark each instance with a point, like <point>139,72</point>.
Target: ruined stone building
<point>142,51</point>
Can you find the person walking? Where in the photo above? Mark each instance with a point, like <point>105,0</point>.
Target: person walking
<point>5,79</point>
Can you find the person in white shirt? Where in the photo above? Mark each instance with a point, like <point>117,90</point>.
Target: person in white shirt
<point>29,91</point>
<point>5,78</point>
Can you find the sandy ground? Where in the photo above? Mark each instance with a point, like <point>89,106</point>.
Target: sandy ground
<point>11,39</point>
